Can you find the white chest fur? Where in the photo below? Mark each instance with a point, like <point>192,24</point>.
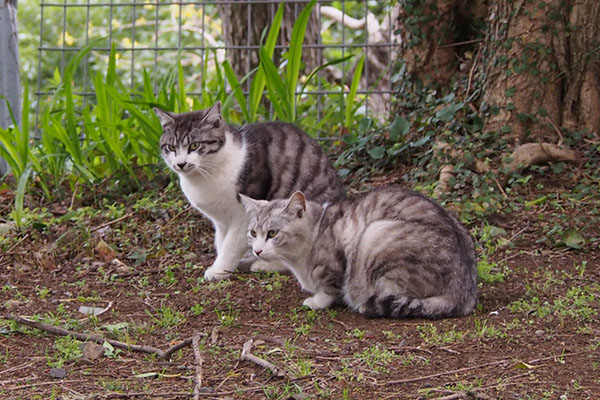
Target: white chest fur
<point>215,193</point>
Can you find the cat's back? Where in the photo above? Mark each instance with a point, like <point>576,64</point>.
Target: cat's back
<point>281,158</point>
<point>421,219</point>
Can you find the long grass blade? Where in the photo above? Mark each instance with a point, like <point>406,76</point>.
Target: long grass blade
<point>182,96</point>
<point>295,52</point>
<point>258,83</point>
<point>353,89</point>
<point>20,196</point>
<point>276,88</point>
<point>236,89</point>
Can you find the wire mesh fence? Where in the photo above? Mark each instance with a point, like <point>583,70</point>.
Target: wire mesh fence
<point>158,36</point>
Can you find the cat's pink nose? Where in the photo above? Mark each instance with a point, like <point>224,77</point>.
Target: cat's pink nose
<point>257,252</point>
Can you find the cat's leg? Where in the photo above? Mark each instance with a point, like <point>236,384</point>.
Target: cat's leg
<point>319,300</point>
<point>231,244</point>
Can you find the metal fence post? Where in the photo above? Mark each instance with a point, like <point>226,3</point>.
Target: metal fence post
<point>10,87</point>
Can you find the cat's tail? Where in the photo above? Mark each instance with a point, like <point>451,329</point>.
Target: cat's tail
<point>403,307</point>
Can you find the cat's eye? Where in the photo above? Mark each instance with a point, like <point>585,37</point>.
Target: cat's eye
<point>271,234</point>
<point>194,146</point>
<point>253,233</point>
<point>171,148</point>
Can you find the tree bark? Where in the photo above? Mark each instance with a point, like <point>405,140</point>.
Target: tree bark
<point>9,67</point>
<point>543,68</point>
<point>432,32</point>
<point>243,25</point>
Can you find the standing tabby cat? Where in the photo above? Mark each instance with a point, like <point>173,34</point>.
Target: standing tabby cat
<point>390,253</point>
<point>216,162</point>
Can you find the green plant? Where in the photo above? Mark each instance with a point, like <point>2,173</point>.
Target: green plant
<point>15,146</point>
<point>67,349</point>
<point>197,309</point>
<point>429,333</point>
<point>166,317</point>
<point>376,357</point>
<point>227,313</point>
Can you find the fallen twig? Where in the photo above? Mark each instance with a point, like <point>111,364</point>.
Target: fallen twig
<point>248,356</point>
<point>54,382</point>
<point>455,371</point>
<point>165,354</point>
<point>199,363</point>
<point>15,368</point>
<point>114,221</point>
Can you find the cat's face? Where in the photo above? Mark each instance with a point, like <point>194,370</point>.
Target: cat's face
<point>277,227</point>
<point>190,141</point>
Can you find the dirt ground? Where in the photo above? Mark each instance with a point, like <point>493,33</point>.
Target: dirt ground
<point>534,335</point>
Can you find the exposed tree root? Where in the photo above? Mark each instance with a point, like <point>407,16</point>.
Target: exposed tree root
<point>524,156</point>
<point>529,154</point>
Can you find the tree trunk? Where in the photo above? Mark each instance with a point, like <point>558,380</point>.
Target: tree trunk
<point>243,25</point>
<point>9,67</point>
<point>432,32</point>
<point>543,68</point>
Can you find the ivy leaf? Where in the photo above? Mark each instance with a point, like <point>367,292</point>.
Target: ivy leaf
<point>573,239</point>
<point>420,142</point>
<point>400,127</point>
<point>447,113</point>
<point>364,125</point>
<point>377,153</point>
<point>350,138</point>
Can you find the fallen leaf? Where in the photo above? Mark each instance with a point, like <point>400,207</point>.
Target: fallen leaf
<point>90,310</point>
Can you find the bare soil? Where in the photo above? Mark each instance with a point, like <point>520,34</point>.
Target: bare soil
<point>535,334</point>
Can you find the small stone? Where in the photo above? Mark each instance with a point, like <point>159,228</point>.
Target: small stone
<point>7,227</point>
<point>12,304</point>
<point>540,332</point>
<point>92,351</point>
<point>190,256</point>
<point>58,373</point>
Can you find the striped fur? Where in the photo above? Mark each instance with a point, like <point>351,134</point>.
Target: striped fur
<point>216,162</point>
<point>389,253</point>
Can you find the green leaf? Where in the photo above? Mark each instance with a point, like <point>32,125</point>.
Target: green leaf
<point>295,51</point>
<point>236,88</point>
<point>258,83</point>
<point>147,375</point>
<point>276,88</point>
<point>353,90</point>
<point>349,138</point>
<point>510,92</point>
<point>400,127</point>
<point>447,113</point>
<point>573,239</point>
<point>364,125</point>
<point>377,153</point>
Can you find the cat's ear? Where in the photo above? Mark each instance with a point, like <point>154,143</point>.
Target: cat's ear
<point>250,205</point>
<point>164,116</point>
<point>213,115</point>
<point>297,204</point>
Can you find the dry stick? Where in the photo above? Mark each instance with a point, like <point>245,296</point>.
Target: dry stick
<point>143,394</point>
<point>248,356</point>
<point>421,378</point>
<point>166,354</point>
<point>503,361</point>
<point>199,362</point>
<point>114,221</point>
<point>55,382</point>
<point>15,368</point>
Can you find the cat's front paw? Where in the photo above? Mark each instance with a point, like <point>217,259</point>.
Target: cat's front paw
<point>265,266</point>
<point>216,274</point>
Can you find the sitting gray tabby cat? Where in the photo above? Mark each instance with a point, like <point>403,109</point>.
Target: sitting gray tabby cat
<point>389,253</point>
<point>215,162</point>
